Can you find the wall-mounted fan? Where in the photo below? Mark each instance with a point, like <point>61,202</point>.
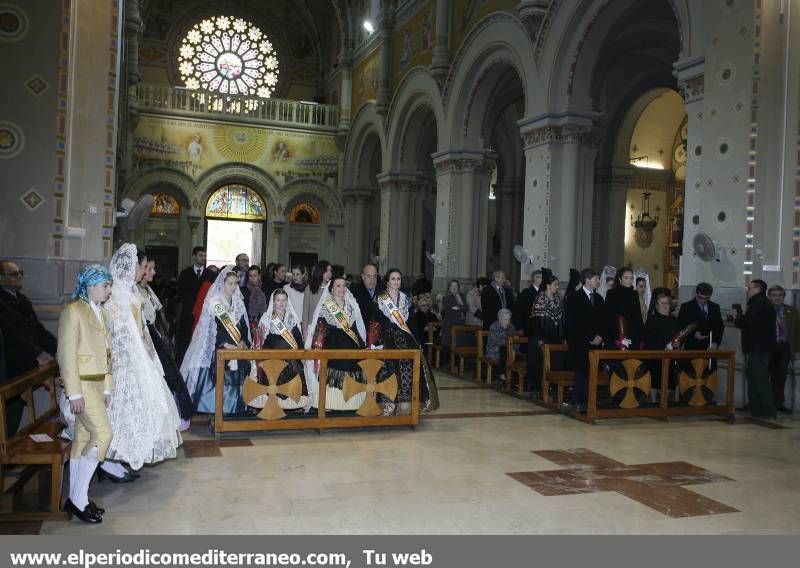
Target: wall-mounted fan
<point>433,258</point>
<point>522,255</point>
<point>135,212</point>
<point>706,248</point>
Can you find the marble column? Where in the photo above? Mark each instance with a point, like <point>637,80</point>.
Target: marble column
<point>385,27</point>
<point>358,226</point>
<point>396,220</point>
<point>440,63</point>
<point>462,203</point>
<point>609,219</point>
<point>559,167</point>
<point>345,92</point>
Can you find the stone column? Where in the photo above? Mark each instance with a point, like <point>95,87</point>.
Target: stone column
<point>440,64</point>
<point>346,91</point>
<point>133,30</point>
<point>559,162</point>
<point>396,220</point>
<point>610,219</point>
<point>385,27</point>
<point>505,194</point>
<point>462,200</point>
<point>357,247</point>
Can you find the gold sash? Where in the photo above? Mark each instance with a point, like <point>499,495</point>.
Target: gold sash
<point>221,313</point>
<point>284,332</point>
<point>386,300</point>
<point>339,315</point>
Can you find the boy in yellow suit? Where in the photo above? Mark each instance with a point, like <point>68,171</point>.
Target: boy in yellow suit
<point>83,356</point>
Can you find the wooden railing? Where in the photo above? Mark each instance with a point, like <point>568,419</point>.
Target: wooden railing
<point>295,113</point>
<point>320,419</point>
<point>630,372</point>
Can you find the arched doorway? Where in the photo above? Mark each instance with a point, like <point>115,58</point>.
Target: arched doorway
<point>235,215</point>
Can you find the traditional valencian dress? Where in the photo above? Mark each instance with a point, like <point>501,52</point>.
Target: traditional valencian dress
<point>222,321</point>
<point>392,331</point>
<point>274,332</point>
<point>336,327</point>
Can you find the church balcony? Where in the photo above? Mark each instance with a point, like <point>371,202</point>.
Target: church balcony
<point>173,101</point>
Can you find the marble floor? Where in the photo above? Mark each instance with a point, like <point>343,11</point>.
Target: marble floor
<point>485,463</point>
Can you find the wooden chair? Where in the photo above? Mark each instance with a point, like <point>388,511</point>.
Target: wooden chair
<point>515,365</point>
<point>434,349</point>
<point>21,449</point>
<point>462,352</point>
<point>482,359</point>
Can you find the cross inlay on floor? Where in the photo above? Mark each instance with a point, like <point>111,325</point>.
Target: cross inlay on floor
<point>657,485</point>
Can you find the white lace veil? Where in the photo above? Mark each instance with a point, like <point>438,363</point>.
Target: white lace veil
<point>648,292</point>
<point>290,319</point>
<point>608,272</point>
<point>202,348</point>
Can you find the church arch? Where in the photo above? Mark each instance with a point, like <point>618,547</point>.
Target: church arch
<point>328,203</point>
<point>246,174</point>
<point>176,183</point>
<point>366,137</point>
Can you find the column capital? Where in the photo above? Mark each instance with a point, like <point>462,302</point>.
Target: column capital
<point>557,129</point>
<point>464,161</point>
<point>690,74</point>
<point>357,193</point>
<point>616,174</point>
<point>399,181</point>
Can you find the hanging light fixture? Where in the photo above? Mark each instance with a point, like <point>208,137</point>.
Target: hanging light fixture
<point>645,221</point>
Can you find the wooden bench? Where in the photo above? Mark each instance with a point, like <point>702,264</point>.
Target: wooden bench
<point>516,366</point>
<point>562,378</point>
<point>21,449</point>
<point>461,352</point>
<point>482,359</point>
<point>434,349</point>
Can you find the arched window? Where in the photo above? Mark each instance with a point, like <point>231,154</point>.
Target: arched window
<point>165,206</point>
<point>236,202</point>
<point>229,56</point>
<point>304,213</point>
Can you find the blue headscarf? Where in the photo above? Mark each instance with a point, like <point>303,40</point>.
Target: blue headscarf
<point>89,276</point>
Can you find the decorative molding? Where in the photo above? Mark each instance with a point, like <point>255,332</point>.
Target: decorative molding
<point>32,199</point>
<point>752,160</point>
<point>558,134</point>
<point>36,85</point>
<point>446,164</point>
<point>12,139</point>
<point>14,23</point>
<point>59,215</point>
<point>692,89</point>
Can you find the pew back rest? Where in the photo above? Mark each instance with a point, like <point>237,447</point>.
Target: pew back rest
<point>24,386</point>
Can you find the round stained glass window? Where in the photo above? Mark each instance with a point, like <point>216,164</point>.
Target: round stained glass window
<point>229,56</point>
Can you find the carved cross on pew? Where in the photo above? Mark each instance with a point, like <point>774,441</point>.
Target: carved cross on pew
<point>272,410</point>
<point>656,485</point>
<point>387,387</point>
<point>703,378</point>
<point>636,376</point>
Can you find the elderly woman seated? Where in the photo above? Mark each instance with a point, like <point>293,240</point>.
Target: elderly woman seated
<point>499,332</point>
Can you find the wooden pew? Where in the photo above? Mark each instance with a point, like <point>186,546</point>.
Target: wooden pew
<point>434,349</point>
<point>516,366</point>
<point>482,359</point>
<point>20,449</point>
<point>464,351</point>
<point>559,377</point>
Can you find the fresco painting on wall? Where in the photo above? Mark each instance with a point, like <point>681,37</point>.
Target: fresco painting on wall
<point>195,147</point>
<point>412,43</point>
<point>365,81</point>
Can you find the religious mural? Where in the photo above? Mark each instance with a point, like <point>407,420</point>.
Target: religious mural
<point>194,147</point>
<point>365,78</point>
<point>412,43</point>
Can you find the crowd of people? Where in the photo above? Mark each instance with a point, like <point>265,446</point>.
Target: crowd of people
<point>134,374</point>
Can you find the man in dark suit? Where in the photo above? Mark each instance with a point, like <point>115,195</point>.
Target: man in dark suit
<point>188,287</point>
<point>494,298</point>
<point>706,315</point>
<point>585,330</point>
<point>758,344</point>
<point>27,344</point>
<point>525,300</point>
<point>787,343</point>
<point>366,291</point>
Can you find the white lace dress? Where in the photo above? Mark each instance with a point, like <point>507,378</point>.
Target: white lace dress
<point>143,415</point>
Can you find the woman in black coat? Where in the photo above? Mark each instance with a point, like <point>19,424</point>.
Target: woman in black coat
<point>625,326</point>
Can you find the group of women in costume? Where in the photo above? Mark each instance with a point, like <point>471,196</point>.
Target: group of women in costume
<point>336,323</point>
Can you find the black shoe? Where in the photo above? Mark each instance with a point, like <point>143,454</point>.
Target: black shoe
<point>88,515</point>
<point>94,506</point>
<point>127,478</point>
<point>784,410</point>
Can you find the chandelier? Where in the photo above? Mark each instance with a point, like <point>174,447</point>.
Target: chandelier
<point>645,221</point>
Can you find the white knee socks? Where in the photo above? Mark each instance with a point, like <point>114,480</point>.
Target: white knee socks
<point>80,476</point>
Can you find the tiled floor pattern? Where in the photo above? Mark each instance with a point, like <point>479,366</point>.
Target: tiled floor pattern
<point>451,476</point>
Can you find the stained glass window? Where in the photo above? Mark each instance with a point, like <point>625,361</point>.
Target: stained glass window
<point>164,205</point>
<point>229,56</point>
<point>304,213</point>
<point>236,201</point>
